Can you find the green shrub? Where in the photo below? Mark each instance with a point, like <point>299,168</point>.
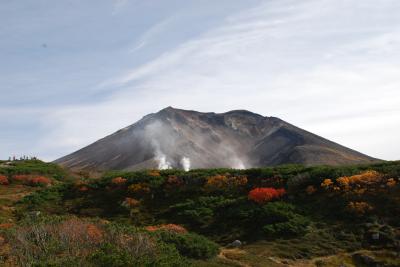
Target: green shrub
<point>282,220</point>
<point>202,210</point>
<point>191,245</point>
<point>295,226</point>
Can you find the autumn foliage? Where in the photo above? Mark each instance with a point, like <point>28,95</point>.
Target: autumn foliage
<point>118,181</point>
<point>31,180</point>
<point>359,183</point>
<point>262,195</point>
<point>140,188</point>
<point>4,180</point>
<point>167,227</point>
<point>40,181</point>
<point>225,181</point>
<point>23,178</point>
<point>94,233</point>
<point>364,179</point>
<point>130,202</point>
<point>6,225</point>
<point>174,181</point>
<point>154,173</point>
<point>359,208</point>
<point>310,190</point>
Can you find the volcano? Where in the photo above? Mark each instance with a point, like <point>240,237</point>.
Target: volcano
<point>175,138</point>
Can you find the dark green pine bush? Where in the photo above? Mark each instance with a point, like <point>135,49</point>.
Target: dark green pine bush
<point>191,245</point>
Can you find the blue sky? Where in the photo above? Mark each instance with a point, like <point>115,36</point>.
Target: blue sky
<point>72,72</point>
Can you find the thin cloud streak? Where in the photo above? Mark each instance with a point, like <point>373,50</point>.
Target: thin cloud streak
<point>330,67</point>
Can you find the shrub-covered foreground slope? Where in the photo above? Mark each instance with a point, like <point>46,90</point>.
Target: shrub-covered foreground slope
<point>284,216</point>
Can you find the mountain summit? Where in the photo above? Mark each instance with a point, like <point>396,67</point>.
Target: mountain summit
<point>175,138</point>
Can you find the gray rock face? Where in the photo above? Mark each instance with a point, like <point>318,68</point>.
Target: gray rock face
<point>174,138</point>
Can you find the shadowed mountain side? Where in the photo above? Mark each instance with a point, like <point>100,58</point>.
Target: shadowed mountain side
<point>174,138</point>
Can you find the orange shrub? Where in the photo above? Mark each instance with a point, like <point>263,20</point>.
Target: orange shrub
<point>173,181</point>
<point>326,183</point>
<point>78,231</point>
<point>363,179</point>
<point>4,180</point>
<point>310,189</point>
<point>118,181</point>
<point>130,202</point>
<point>217,181</point>
<point>6,225</point>
<point>167,227</point>
<point>238,180</point>
<point>139,188</point>
<point>224,181</point>
<point>265,194</point>
<point>391,182</point>
<point>94,233</point>
<point>359,208</point>
<point>154,173</point>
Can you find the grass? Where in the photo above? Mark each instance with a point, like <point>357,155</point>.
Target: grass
<point>9,195</point>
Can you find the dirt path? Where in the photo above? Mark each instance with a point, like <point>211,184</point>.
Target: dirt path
<point>222,255</point>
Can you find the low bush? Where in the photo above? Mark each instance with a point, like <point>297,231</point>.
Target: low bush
<point>294,226</point>
<point>69,241</point>
<point>265,194</point>
<point>4,180</point>
<point>280,219</point>
<point>191,245</point>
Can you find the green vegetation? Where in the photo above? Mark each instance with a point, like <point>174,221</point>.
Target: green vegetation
<point>32,167</point>
<point>317,215</point>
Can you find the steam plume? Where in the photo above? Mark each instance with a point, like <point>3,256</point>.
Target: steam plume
<point>185,162</point>
<point>163,164</point>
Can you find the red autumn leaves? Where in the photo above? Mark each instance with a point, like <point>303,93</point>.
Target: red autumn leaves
<point>26,180</point>
<point>4,180</point>
<point>262,195</point>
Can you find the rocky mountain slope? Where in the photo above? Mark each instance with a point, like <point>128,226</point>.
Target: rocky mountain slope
<point>174,138</point>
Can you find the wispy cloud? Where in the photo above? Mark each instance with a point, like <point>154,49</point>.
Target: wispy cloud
<point>328,66</point>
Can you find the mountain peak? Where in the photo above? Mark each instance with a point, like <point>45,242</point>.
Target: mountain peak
<point>235,139</point>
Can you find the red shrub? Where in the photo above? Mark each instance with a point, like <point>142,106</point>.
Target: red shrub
<point>21,178</point>
<point>83,188</point>
<point>40,181</point>
<point>265,194</point>
<point>118,181</point>
<point>6,225</point>
<point>174,181</point>
<point>4,180</point>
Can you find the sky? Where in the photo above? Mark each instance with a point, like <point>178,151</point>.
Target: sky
<point>73,71</point>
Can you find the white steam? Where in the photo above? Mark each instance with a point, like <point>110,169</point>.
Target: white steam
<point>163,164</point>
<point>238,164</point>
<point>185,162</point>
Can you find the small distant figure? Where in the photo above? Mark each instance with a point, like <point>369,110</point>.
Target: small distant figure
<point>44,45</point>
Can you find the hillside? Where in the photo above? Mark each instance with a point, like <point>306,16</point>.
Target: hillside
<point>288,215</point>
<point>174,138</point>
